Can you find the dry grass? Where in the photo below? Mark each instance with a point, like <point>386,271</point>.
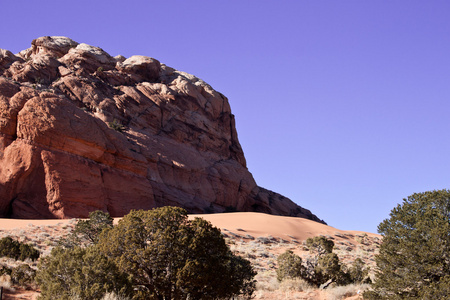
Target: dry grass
<point>296,285</point>
<point>114,296</point>
<point>6,282</point>
<point>342,292</point>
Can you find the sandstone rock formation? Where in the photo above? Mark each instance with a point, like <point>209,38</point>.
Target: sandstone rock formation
<point>81,130</point>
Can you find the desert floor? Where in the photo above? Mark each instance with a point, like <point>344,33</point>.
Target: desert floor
<point>255,236</point>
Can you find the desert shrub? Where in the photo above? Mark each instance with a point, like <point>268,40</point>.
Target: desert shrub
<point>87,232</point>
<point>328,268</point>
<point>322,267</point>
<point>171,257</point>
<point>116,125</point>
<point>9,248</point>
<point>359,272</point>
<point>320,245</point>
<point>28,252</point>
<point>79,272</point>
<point>23,275</point>
<point>4,270</point>
<point>414,258</point>
<point>17,250</point>
<point>289,266</point>
<point>362,239</point>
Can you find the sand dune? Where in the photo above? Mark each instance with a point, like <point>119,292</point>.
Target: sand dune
<point>259,224</point>
<point>242,223</point>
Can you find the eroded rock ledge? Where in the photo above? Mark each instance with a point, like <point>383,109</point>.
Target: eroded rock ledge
<point>81,130</point>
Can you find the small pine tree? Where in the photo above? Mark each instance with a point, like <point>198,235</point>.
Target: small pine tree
<point>414,258</point>
<point>171,257</point>
<point>359,272</point>
<point>28,251</point>
<point>87,232</point>
<point>79,272</point>
<point>17,250</point>
<point>289,266</point>
<point>320,245</point>
<point>328,267</point>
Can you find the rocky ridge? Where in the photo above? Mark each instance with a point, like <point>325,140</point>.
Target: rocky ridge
<point>81,130</point>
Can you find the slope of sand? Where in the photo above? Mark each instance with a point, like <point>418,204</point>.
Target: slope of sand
<point>260,225</point>
<point>243,223</point>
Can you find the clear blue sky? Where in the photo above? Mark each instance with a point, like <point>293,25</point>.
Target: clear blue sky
<point>342,106</point>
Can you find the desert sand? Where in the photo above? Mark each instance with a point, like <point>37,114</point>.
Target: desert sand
<point>243,223</point>
<point>259,224</point>
<point>254,224</point>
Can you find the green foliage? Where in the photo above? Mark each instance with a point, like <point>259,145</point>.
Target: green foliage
<point>9,248</point>
<point>414,258</point>
<point>23,275</point>
<point>79,272</point>
<point>28,251</point>
<point>320,245</point>
<point>17,250</point>
<point>4,270</point>
<point>116,125</point>
<point>289,266</point>
<point>323,266</point>
<point>358,272</point>
<point>328,267</point>
<point>170,257</point>
<point>87,232</point>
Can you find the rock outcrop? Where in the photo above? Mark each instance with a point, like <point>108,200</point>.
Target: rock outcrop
<point>81,130</point>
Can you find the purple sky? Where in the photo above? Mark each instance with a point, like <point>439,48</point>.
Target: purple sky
<point>342,106</point>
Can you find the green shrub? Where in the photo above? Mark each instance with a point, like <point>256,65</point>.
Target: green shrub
<point>171,257</point>
<point>320,245</point>
<point>328,267</point>
<point>87,232</point>
<point>414,258</point>
<point>17,250</point>
<point>9,248</point>
<point>324,266</point>
<point>23,275</point>
<point>116,125</point>
<point>359,272</point>
<point>163,254</point>
<point>4,270</point>
<point>28,251</point>
<point>79,272</point>
<point>289,266</point>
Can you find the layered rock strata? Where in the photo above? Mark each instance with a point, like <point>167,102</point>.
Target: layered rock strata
<point>81,130</point>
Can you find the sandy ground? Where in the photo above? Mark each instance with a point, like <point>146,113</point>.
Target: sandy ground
<point>254,224</point>
<point>259,224</point>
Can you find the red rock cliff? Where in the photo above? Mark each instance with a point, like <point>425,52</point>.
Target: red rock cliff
<point>81,130</point>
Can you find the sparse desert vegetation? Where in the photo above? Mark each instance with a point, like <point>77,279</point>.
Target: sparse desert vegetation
<point>262,252</point>
<point>415,239</point>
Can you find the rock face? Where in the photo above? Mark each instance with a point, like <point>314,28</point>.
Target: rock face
<point>81,130</point>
